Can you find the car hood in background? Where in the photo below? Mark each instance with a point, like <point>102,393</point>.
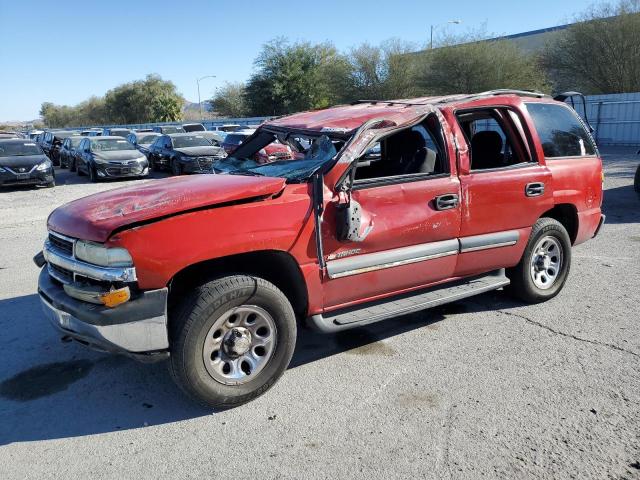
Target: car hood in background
<point>199,151</point>
<point>117,155</point>
<point>95,217</point>
<point>25,161</point>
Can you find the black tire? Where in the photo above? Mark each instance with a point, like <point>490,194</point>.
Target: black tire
<point>93,176</point>
<point>194,317</point>
<point>522,284</point>
<point>636,180</point>
<point>72,165</point>
<point>176,168</point>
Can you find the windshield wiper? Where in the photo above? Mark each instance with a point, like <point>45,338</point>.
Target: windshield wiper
<point>247,173</point>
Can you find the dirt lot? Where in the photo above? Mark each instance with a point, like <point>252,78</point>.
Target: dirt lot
<point>485,388</point>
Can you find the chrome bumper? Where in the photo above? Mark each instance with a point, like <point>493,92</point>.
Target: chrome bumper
<point>137,328</point>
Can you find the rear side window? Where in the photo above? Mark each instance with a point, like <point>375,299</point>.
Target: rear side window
<point>561,132</point>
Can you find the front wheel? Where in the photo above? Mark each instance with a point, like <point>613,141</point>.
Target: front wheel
<point>545,264</point>
<point>232,339</point>
<point>93,175</point>
<point>636,180</point>
<point>176,168</point>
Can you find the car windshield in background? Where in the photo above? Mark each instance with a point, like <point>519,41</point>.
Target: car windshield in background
<point>321,150</point>
<point>235,139</point>
<point>75,141</point>
<point>190,141</point>
<point>172,129</point>
<point>19,149</point>
<point>147,139</point>
<point>110,145</point>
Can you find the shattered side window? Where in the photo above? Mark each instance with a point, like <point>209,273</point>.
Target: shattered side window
<point>321,150</point>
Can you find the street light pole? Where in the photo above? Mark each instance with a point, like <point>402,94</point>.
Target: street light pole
<point>199,101</point>
<point>456,22</point>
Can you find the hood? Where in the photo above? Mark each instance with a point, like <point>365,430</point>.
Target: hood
<point>198,151</point>
<point>95,217</point>
<point>117,155</point>
<point>25,161</point>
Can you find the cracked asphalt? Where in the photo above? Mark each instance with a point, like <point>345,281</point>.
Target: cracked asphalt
<point>484,388</point>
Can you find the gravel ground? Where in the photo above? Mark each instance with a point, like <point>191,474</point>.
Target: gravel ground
<point>484,388</point>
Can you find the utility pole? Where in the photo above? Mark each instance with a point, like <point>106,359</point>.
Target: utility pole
<point>456,22</point>
<point>199,101</point>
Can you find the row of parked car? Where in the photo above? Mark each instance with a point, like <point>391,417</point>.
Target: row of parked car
<point>121,152</point>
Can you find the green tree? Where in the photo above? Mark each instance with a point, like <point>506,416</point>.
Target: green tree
<point>600,53</point>
<point>478,65</point>
<point>382,72</point>
<point>291,77</point>
<point>166,108</point>
<point>229,100</point>
<point>142,101</point>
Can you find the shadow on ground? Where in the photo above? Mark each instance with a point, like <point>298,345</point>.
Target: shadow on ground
<point>50,389</point>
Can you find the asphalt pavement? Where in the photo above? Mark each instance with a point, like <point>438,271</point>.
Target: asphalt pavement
<point>483,388</point>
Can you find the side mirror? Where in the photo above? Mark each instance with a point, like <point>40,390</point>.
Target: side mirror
<point>350,218</point>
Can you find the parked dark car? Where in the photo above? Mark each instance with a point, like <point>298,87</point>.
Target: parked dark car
<point>115,132</point>
<point>143,140</point>
<point>184,153</point>
<point>22,162</point>
<point>214,137</point>
<point>110,157</point>
<point>67,151</point>
<point>7,134</point>
<point>168,129</point>
<point>53,141</point>
<point>193,127</point>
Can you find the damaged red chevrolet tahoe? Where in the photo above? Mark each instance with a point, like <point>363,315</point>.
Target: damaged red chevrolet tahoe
<point>387,208</point>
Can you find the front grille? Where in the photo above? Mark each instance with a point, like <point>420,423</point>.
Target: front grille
<point>61,274</point>
<point>61,244</point>
<point>205,163</point>
<point>123,170</point>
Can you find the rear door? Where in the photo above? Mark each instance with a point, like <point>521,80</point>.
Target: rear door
<point>406,194</point>
<point>505,187</point>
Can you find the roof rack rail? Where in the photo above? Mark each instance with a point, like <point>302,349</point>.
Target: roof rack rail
<point>520,93</point>
<point>388,102</point>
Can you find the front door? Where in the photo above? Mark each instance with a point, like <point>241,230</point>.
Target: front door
<point>406,193</point>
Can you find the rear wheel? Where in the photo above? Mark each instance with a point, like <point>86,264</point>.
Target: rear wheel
<point>93,176</point>
<point>232,339</point>
<point>545,264</point>
<point>176,168</point>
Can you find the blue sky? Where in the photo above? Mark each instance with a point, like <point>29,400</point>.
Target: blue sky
<point>66,51</point>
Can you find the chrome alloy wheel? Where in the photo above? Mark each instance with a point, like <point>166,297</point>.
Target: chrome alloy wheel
<point>239,344</point>
<point>546,262</point>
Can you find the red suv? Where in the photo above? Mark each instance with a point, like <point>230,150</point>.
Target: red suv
<point>389,207</point>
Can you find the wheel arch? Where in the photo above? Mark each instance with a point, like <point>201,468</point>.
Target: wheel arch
<point>567,215</point>
<point>275,266</point>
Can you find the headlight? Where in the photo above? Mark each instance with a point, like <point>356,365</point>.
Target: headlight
<point>103,256</point>
<point>46,165</point>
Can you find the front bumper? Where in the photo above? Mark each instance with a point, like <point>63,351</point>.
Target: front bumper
<point>118,170</point>
<point>137,328</point>
<point>34,177</point>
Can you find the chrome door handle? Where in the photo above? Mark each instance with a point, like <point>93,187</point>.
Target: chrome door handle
<point>447,201</point>
<point>534,189</point>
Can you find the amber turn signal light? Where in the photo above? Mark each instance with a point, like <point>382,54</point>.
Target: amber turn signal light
<point>116,297</point>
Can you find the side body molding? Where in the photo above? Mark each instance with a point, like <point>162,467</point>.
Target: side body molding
<point>391,258</point>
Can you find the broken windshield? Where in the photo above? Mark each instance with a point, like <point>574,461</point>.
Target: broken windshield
<point>305,162</point>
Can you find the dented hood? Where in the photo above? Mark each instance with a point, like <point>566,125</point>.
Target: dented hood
<point>95,217</point>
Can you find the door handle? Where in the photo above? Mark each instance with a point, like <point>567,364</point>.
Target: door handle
<point>447,201</point>
<point>534,189</point>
